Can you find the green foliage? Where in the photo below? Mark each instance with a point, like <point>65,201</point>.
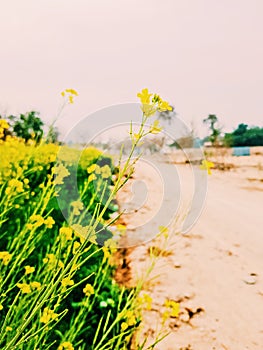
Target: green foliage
<point>27,126</point>
<point>244,135</point>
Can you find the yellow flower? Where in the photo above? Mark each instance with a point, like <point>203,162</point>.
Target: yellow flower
<point>155,128</point>
<point>8,329</point>
<point>66,345</point>
<point>206,165</point>
<point>164,106</point>
<point>5,257</point>
<point>49,222</point>
<point>144,96</point>
<point>124,326</point>
<point>88,290</point>
<point>77,206</point>
<point>150,106</point>
<point>146,301</point>
<point>24,287</point>
<point>67,282</point>
<point>66,232</point>
<point>106,252</point>
<point>61,172</point>
<point>1,307</point>
<point>29,269</point>
<point>35,285</point>
<point>72,92</point>
<point>130,318</point>
<point>48,315</point>
<point>16,185</point>
<point>80,231</point>
<point>92,177</point>
<point>92,168</point>
<point>76,246</point>
<point>4,124</point>
<point>37,220</point>
<point>105,171</point>
<point>174,308</point>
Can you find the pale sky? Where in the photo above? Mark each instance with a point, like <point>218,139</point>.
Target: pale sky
<point>203,56</point>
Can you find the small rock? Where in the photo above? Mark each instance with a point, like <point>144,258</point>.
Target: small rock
<point>251,279</point>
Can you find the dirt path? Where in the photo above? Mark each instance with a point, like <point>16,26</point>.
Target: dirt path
<point>215,271</point>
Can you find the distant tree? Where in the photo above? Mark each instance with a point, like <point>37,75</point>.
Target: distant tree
<point>244,135</point>
<point>215,131</point>
<point>27,126</point>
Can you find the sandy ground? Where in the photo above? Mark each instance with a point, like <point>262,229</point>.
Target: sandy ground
<point>214,270</point>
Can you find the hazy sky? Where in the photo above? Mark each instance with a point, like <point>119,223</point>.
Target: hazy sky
<point>203,56</point>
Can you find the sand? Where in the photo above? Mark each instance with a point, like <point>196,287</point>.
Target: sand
<point>214,270</point>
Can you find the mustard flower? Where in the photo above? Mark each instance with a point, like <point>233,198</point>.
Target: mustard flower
<point>35,285</point>
<point>88,290</point>
<point>66,232</point>
<point>24,287</point>
<point>206,165</point>
<point>77,206</point>
<point>67,282</point>
<point>144,96</point>
<point>5,257</point>
<point>49,222</point>
<point>29,269</point>
<point>48,315</point>
<point>124,326</point>
<point>37,220</point>
<point>66,346</point>
<point>173,307</point>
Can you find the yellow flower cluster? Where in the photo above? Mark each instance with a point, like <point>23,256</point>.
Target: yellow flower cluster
<point>66,233</point>
<point>130,320</point>
<point>77,207</point>
<point>14,185</point>
<point>28,288</point>
<point>66,346</point>
<point>146,301</point>
<point>48,315</point>
<point>61,172</point>
<point>172,309</point>
<point>29,269</point>
<point>5,257</point>
<point>38,220</point>
<point>151,103</point>
<point>104,171</point>
<point>3,126</point>
<point>66,282</point>
<point>88,290</point>
<point>70,94</point>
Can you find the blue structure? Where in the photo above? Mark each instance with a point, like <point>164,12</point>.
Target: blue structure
<point>241,151</point>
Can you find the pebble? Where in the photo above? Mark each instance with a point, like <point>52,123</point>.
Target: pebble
<point>250,279</point>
